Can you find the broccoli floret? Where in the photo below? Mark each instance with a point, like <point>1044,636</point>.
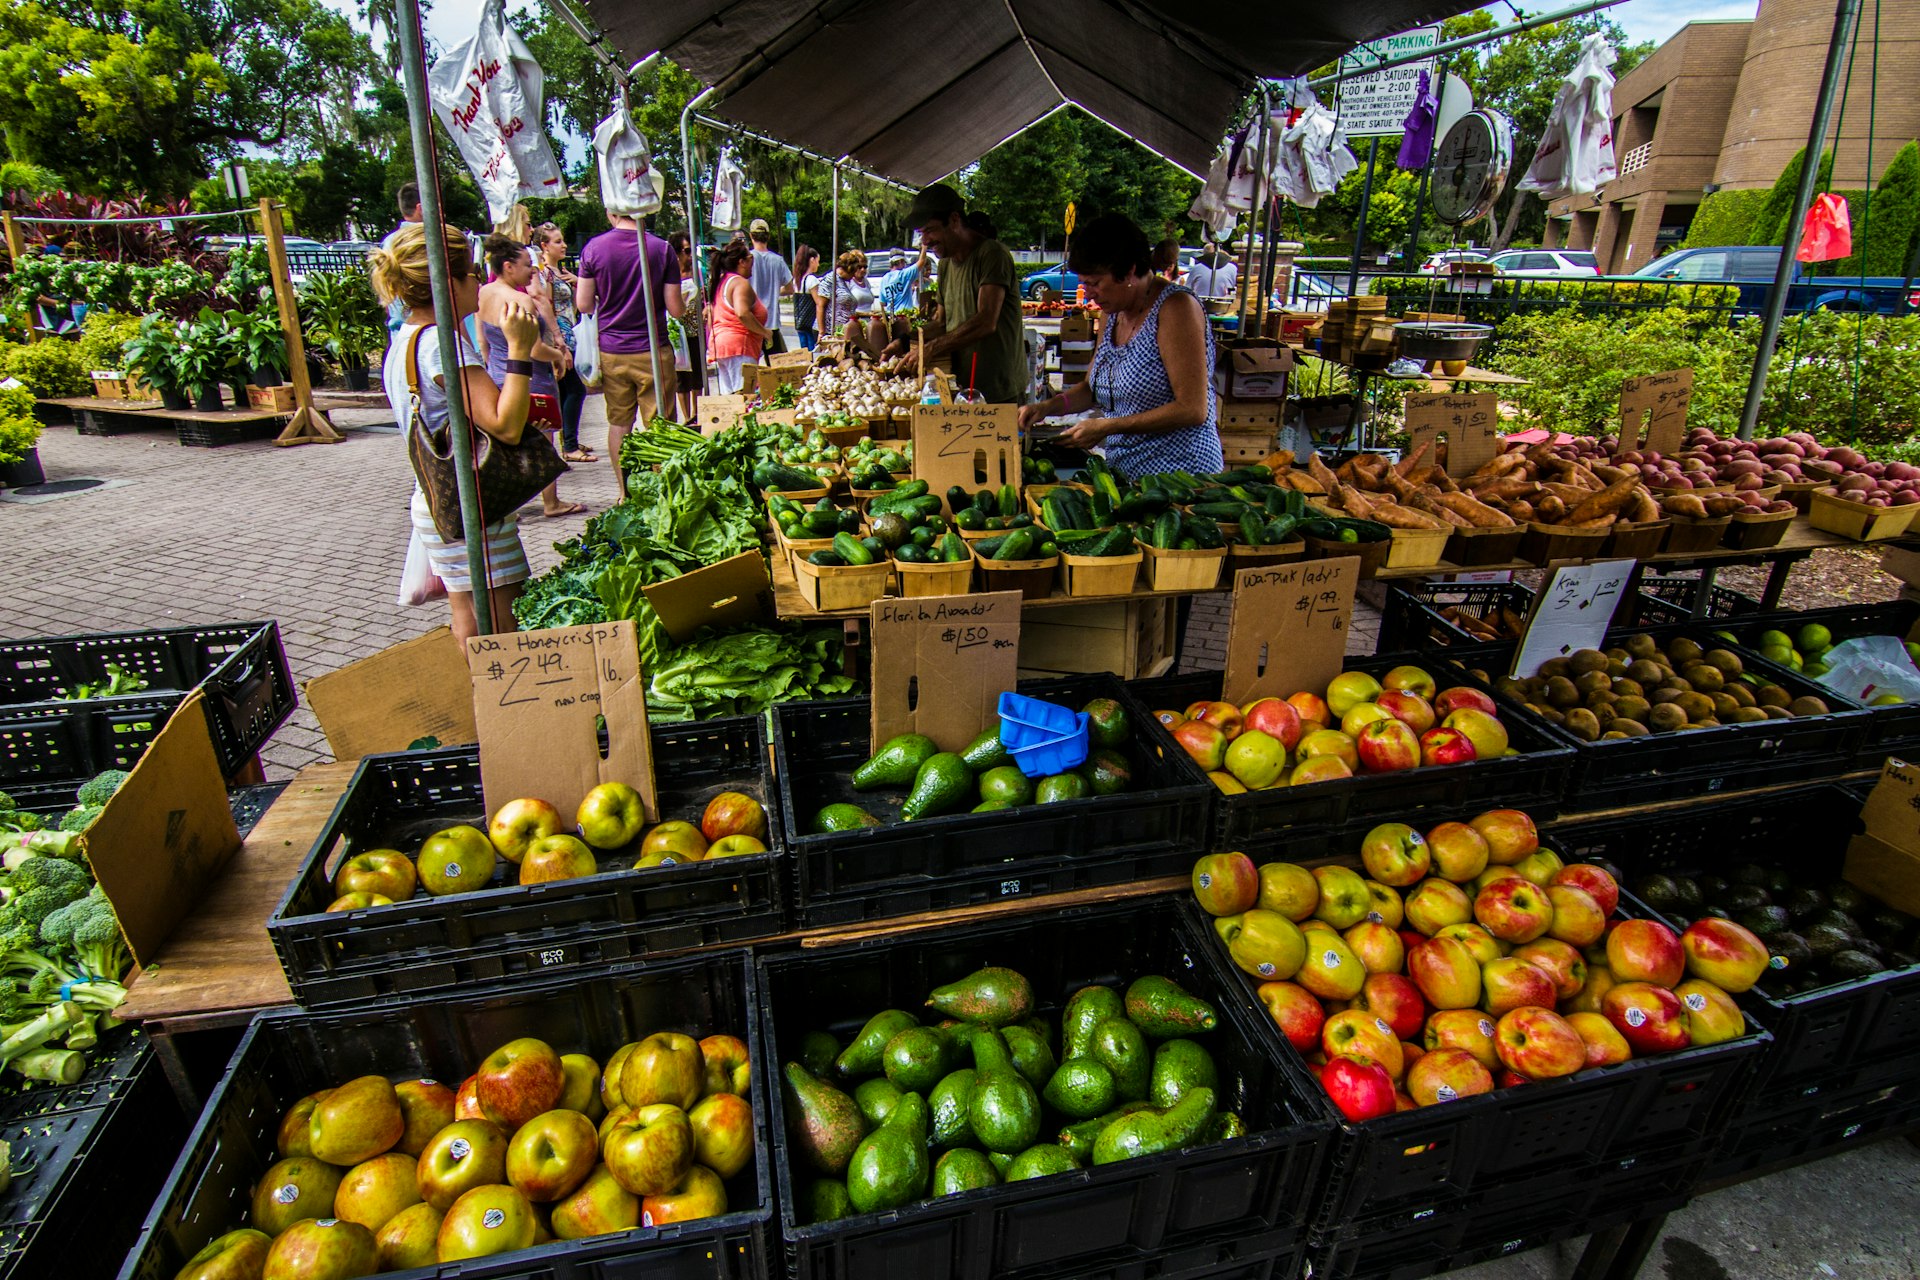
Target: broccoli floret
<point>87,928</point>
<point>78,820</point>
<point>100,788</point>
<point>40,887</point>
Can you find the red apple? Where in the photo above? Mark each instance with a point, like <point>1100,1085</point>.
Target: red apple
<point>1384,905</point>
<point>1361,1090</point>
<point>1650,1018</point>
<point>1360,715</point>
<point>1560,961</point>
<point>581,1092</point>
<point>1712,1016</point>
<point>1509,833</point>
<point>1605,1046</point>
<point>1593,990</point>
<point>1376,946</point>
<point>1724,953</point>
<point>1414,680</point>
<point>1225,884</point>
<point>1355,1033</point>
<point>1203,742</point>
<point>1312,709</point>
<point>466,1100</point>
<point>599,1206</point>
<point>376,1190</point>
<point>1459,851</point>
<point>521,822</point>
<point>487,1221</point>
<point>1513,910</point>
<point>1460,697</point>
<point>556,857</point>
<point>387,872</point>
<point>427,1107</point>
<point>727,1066</point>
<point>1577,918</point>
<point>1445,972</point>
<point>611,816</point>
<point>1388,745</point>
<point>464,1155</point>
<point>551,1155</point>
<point>358,902</point>
<point>699,1194</point>
<point>733,813</point>
<point>1277,718</point>
<point>1223,716</point>
<point>1467,1029</point>
<point>320,1249</point>
<point>1599,885</point>
<point>1484,946</point>
<point>1295,1011</point>
<point>1510,983</point>
<point>521,1079</point>
<point>678,840</point>
<point>1410,709</point>
<point>1441,745</point>
<point>1435,904</point>
<point>1394,998</point>
<point>1645,951</point>
<point>1445,1075</point>
<point>1395,854</point>
<point>1319,769</point>
<point>1538,1044</point>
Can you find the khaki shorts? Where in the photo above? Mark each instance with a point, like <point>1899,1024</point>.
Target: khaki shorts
<point>627,383</point>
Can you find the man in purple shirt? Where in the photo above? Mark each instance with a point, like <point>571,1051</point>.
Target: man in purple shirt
<point>611,288</point>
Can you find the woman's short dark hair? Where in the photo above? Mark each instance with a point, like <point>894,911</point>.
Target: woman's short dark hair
<point>1112,244</point>
<point>501,250</point>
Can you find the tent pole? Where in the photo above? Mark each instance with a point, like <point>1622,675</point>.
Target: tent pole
<point>1265,209</point>
<point>446,317</point>
<point>1843,17</point>
<point>692,185</point>
<point>653,332</point>
<point>833,288</point>
<point>1360,227</point>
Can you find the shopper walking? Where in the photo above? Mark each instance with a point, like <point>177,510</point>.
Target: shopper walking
<point>513,278</point>
<point>611,288</point>
<point>806,307</point>
<point>739,325</point>
<point>554,282</point>
<point>979,297</point>
<point>772,278</point>
<point>416,388</point>
<point>1150,383</point>
<point>408,200</point>
<point>692,380</point>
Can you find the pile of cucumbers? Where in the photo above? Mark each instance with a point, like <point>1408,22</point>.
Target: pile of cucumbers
<point>1038,471</point>
<point>907,524</point>
<point>910,1111</point>
<point>871,466</point>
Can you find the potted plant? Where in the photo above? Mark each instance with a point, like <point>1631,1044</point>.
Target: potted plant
<point>266,346</point>
<point>343,319</point>
<point>201,361</point>
<point>151,355</point>
<point>19,436</point>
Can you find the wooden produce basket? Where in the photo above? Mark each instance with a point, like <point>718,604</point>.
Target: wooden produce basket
<point>1689,536</point>
<point>1176,570</point>
<point>1544,543</point>
<point>1373,555</point>
<point>1636,541</point>
<point>853,586</point>
<point>1857,520</point>
<point>1035,494</point>
<point>1664,491</point>
<point>1033,579</point>
<point>804,496</point>
<point>798,549</point>
<point>1416,548</point>
<point>1800,493</point>
<point>1100,575</point>
<point>941,578</point>
<point>1469,547</point>
<point>1240,556</point>
<point>1757,530</point>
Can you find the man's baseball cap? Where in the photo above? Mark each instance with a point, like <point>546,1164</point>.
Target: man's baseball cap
<point>758,224</point>
<point>936,204</point>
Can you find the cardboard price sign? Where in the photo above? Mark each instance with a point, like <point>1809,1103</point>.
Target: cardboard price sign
<point>1653,411</point>
<point>719,413</point>
<point>416,689</point>
<point>1289,628</point>
<point>1469,424</point>
<point>1885,861</point>
<point>940,664</point>
<point>538,697</point>
<point>975,446</point>
<point>1573,611</point>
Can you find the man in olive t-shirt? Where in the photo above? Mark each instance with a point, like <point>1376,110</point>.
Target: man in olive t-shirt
<point>980,294</point>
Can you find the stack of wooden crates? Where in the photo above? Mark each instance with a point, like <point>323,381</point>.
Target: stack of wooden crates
<point>1250,380</point>
<point>1358,331</point>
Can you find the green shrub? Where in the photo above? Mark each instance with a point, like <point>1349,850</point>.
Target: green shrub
<point>1811,382</point>
<point>104,336</point>
<point>1725,217</point>
<point>19,429</point>
<point>1885,246</point>
<point>50,368</point>
<point>1511,297</point>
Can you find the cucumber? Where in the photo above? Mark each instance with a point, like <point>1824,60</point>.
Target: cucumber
<point>1017,545</point>
<point>850,549</point>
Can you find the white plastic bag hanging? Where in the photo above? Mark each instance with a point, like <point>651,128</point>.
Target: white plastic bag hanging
<point>728,179</point>
<point>490,95</point>
<point>1575,156</point>
<point>586,351</point>
<point>626,166</point>
<point>1870,667</point>
<point>418,585</point>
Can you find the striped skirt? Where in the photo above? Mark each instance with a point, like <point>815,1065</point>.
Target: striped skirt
<point>507,559</point>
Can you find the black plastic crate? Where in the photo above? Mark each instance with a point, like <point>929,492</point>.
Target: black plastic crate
<point>511,931</point>
<point>1157,1215</point>
<point>1850,1109</point>
<point>49,747</point>
<point>1616,772</point>
<point>120,1127</point>
<point>961,859</point>
<point>212,433</point>
<point>1664,599</point>
<point>1819,1036</point>
<point>1412,616</point>
<point>1893,730</point>
<point>286,1055</point>
<point>1266,821</point>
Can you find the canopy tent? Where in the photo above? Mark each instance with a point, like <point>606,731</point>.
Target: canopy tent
<point>917,89</point>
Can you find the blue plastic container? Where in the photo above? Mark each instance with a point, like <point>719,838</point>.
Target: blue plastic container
<point>1043,737</point>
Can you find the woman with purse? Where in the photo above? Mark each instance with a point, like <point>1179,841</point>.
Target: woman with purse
<point>512,464</point>
<point>550,269</point>
<point>514,279</point>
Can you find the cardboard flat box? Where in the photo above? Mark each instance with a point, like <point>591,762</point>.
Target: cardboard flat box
<point>1885,861</point>
<point>1076,328</point>
<point>1253,372</point>
<point>416,689</point>
<point>1249,415</point>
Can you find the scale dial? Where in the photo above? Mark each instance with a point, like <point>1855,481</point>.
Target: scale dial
<point>1470,167</point>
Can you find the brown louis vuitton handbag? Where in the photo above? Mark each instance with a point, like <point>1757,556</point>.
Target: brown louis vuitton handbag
<point>508,475</point>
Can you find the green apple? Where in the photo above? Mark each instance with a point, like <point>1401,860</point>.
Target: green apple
<point>486,1221</point>
<point>295,1188</point>
<point>611,815</point>
<point>237,1255</point>
<point>382,871</point>
<point>321,1249</point>
<point>410,1239</point>
<point>734,846</point>
<point>557,857</point>
<point>457,860</point>
<point>649,1149</point>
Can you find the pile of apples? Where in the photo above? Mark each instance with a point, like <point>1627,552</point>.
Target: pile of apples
<point>534,1146</point>
<point>1361,725</point>
<point>533,836</point>
<point>1467,959</point>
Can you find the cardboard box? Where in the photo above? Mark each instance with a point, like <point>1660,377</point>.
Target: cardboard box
<point>767,380</point>
<point>273,399</point>
<point>418,689</point>
<point>1249,415</point>
<point>1239,448</point>
<point>1885,861</point>
<point>1256,371</point>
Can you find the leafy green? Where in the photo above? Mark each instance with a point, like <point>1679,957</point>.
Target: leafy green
<point>744,672</point>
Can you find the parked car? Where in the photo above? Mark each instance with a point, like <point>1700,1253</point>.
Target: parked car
<point>1309,291</point>
<point>1063,281</point>
<point>1436,263</point>
<point>1753,266</point>
<point>353,246</point>
<point>1545,262</point>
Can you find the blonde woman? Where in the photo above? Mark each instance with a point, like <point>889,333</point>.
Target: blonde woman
<point>400,274</point>
<point>843,297</point>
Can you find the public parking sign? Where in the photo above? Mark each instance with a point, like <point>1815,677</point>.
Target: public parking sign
<point>793,218</point>
<point>1373,103</point>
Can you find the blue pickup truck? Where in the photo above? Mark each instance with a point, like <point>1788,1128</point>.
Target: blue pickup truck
<point>1752,268</point>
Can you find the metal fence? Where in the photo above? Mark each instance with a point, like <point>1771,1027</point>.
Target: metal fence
<point>1715,304</point>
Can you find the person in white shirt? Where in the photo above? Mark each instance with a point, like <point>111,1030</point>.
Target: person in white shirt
<point>1213,274</point>
<point>771,278</point>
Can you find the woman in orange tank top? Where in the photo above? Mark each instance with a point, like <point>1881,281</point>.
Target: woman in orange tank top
<point>738,321</point>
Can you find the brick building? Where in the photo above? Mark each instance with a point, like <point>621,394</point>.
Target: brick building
<point>1726,105</point>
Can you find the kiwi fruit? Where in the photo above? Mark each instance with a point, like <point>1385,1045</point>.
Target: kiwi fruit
<point>1582,661</point>
<point>1616,654</point>
<point>1591,682</point>
<point>1627,687</point>
<point>1725,708</point>
<point>1644,671</point>
<point>1683,652</point>
<point>1598,702</point>
<point>1679,684</point>
<point>1582,724</point>
<point>1705,678</point>
<point>1663,695</point>
<point>1728,663</point>
<point>1747,715</point>
<point>1772,695</point>
<point>1612,735</point>
<point>1740,693</point>
<point>1552,715</point>
<point>1623,727</point>
<point>1641,645</point>
<point>1561,693</point>
<point>1554,667</point>
<point>1666,717</point>
<point>1698,706</point>
<point>1508,687</point>
<point>1617,667</point>
<point>1632,708</point>
<point>1806,706</point>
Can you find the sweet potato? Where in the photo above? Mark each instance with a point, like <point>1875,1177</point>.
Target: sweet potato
<point>1723,504</point>
<point>1479,513</point>
<point>1521,510</point>
<point>1281,461</point>
<point>1684,504</point>
<point>1610,501</point>
<point>1321,473</point>
<point>1495,467</point>
<point>1549,509</point>
<point>1395,516</point>
<point>1427,500</point>
<point>1506,489</point>
<point>1414,461</point>
<point>1301,482</point>
<point>1644,508</point>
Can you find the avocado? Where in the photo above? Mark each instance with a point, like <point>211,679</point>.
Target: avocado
<point>1835,918</point>
<point>1658,892</point>
<point>889,1168</point>
<point>1778,881</point>
<point>866,1055</point>
<point>915,1060</point>
<point>1150,1132</point>
<point>1852,964</point>
<point>1004,1111</point>
<point>992,997</point>
<point>1886,925</point>
<point>1691,899</point>
<point>1901,960</point>
<point>1826,941</point>
<point>1119,1046</point>
<point>1751,873</point>
<point>963,1170</point>
<point>1180,1067</point>
<point>876,1099</point>
<point>1061,786</point>
<point>1086,1009</point>
<point>1040,1160</point>
<point>841,817</point>
<point>827,1200</point>
<point>1106,771</point>
<point>1031,1055</point>
<point>1006,784</point>
<point>1164,1009</point>
<point>1717,912</point>
<point>986,752</point>
<point>1080,1089</point>
<point>817,1052</point>
<point>1789,950</point>
<point>1762,921</point>
<point>948,1104</point>
<point>1711,886</point>
<point>1744,897</point>
<point>1805,904</point>
<point>1107,723</point>
<point>942,784</point>
<point>826,1124</point>
<point>1844,897</point>
<point>896,764</point>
